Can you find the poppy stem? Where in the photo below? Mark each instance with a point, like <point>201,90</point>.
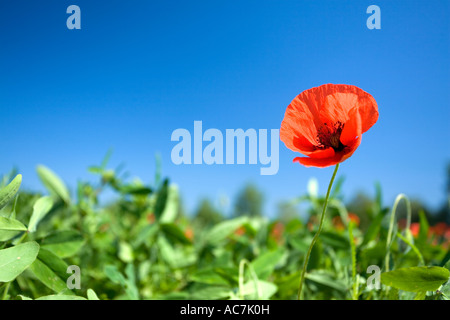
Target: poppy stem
<point>316,236</point>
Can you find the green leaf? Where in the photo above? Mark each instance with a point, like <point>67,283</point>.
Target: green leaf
<point>63,243</point>
<point>8,235</point>
<point>47,276</point>
<point>114,275</point>
<point>106,158</point>
<point>424,226</point>
<point>446,290</point>
<point>181,295</point>
<point>40,209</point>
<point>208,276</point>
<point>54,262</point>
<point>222,230</point>
<point>170,211</point>
<point>126,253</point>
<point>374,228</point>
<point>161,199</point>
<point>147,232</point>
<point>12,215</point>
<point>421,295</point>
<point>229,274</point>
<point>128,283</point>
<point>61,297</point>
<point>393,294</point>
<point>166,250</point>
<point>131,289</point>
<point>7,224</point>
<point>135,190</point>
<point>266,262</point>
<point>8,192</point>
<point>173,232</point>
<point>92,295</point>
<point>53,183</point>
<point>447,264</point>
<point>301,244</point>
<point>14,260</point>
<point>209,292</point>
<point>378,196</point>
<point>262,290</point>
<point>51,271</point>
<point>95,169</point>
<point>9,228</point>
<point>335,240</point>
<point>416,279</point>
<point>327,279</point>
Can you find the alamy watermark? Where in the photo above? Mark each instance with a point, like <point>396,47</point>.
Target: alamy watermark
<point>74,281</point>
<point>74,20</point>
<point>231,151</point>
<point>373,282</point>
<point>374,21</point>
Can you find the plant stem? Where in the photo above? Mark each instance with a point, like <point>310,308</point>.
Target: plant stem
<point>392,223</point>
<point>21,238</point>
<point>353,251</point>
<point>5,293</point>
<point>316,236</point>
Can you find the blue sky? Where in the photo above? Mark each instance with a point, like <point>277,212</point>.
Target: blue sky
<point>137,70</point>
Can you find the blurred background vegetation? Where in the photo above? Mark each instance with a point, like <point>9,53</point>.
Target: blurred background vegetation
<point>250,200</point>
<point>144,245</point>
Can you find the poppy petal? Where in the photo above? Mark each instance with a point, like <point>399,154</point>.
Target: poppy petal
<point>301,144</point>
<point>368,109</point>
<point>322,153</point>
<point>336,107</point>
<point>348,152</point>
<point>318,162</point>
<point>341,98</point>
<point>352,128</point>
<point>296,130</point>
<point>319,153</point>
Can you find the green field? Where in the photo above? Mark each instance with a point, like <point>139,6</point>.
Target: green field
<point>143,246</point>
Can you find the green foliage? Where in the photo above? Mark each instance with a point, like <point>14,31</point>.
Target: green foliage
<point>8,192</point>
<point>53,183</point>
<point>40,209</point>
<point>14,260</point>
<point>206,215</point>
<point>140,245</point>
<point>63,243</point>
<point>416,279</point>
<point>7,224</point>
<point>221,231</point>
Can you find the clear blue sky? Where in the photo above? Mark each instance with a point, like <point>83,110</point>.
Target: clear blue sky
<point>137,70</point>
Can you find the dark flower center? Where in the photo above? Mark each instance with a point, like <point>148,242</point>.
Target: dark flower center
<point>330,136</point>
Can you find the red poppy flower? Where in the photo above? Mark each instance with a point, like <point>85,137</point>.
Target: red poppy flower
<point>438,229</point>
<point>277,231</point>
<point>337,221</point>
<point>447,233</point>
<point>326,123</point>
<point>189,233</point>
<point>415,229</point>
